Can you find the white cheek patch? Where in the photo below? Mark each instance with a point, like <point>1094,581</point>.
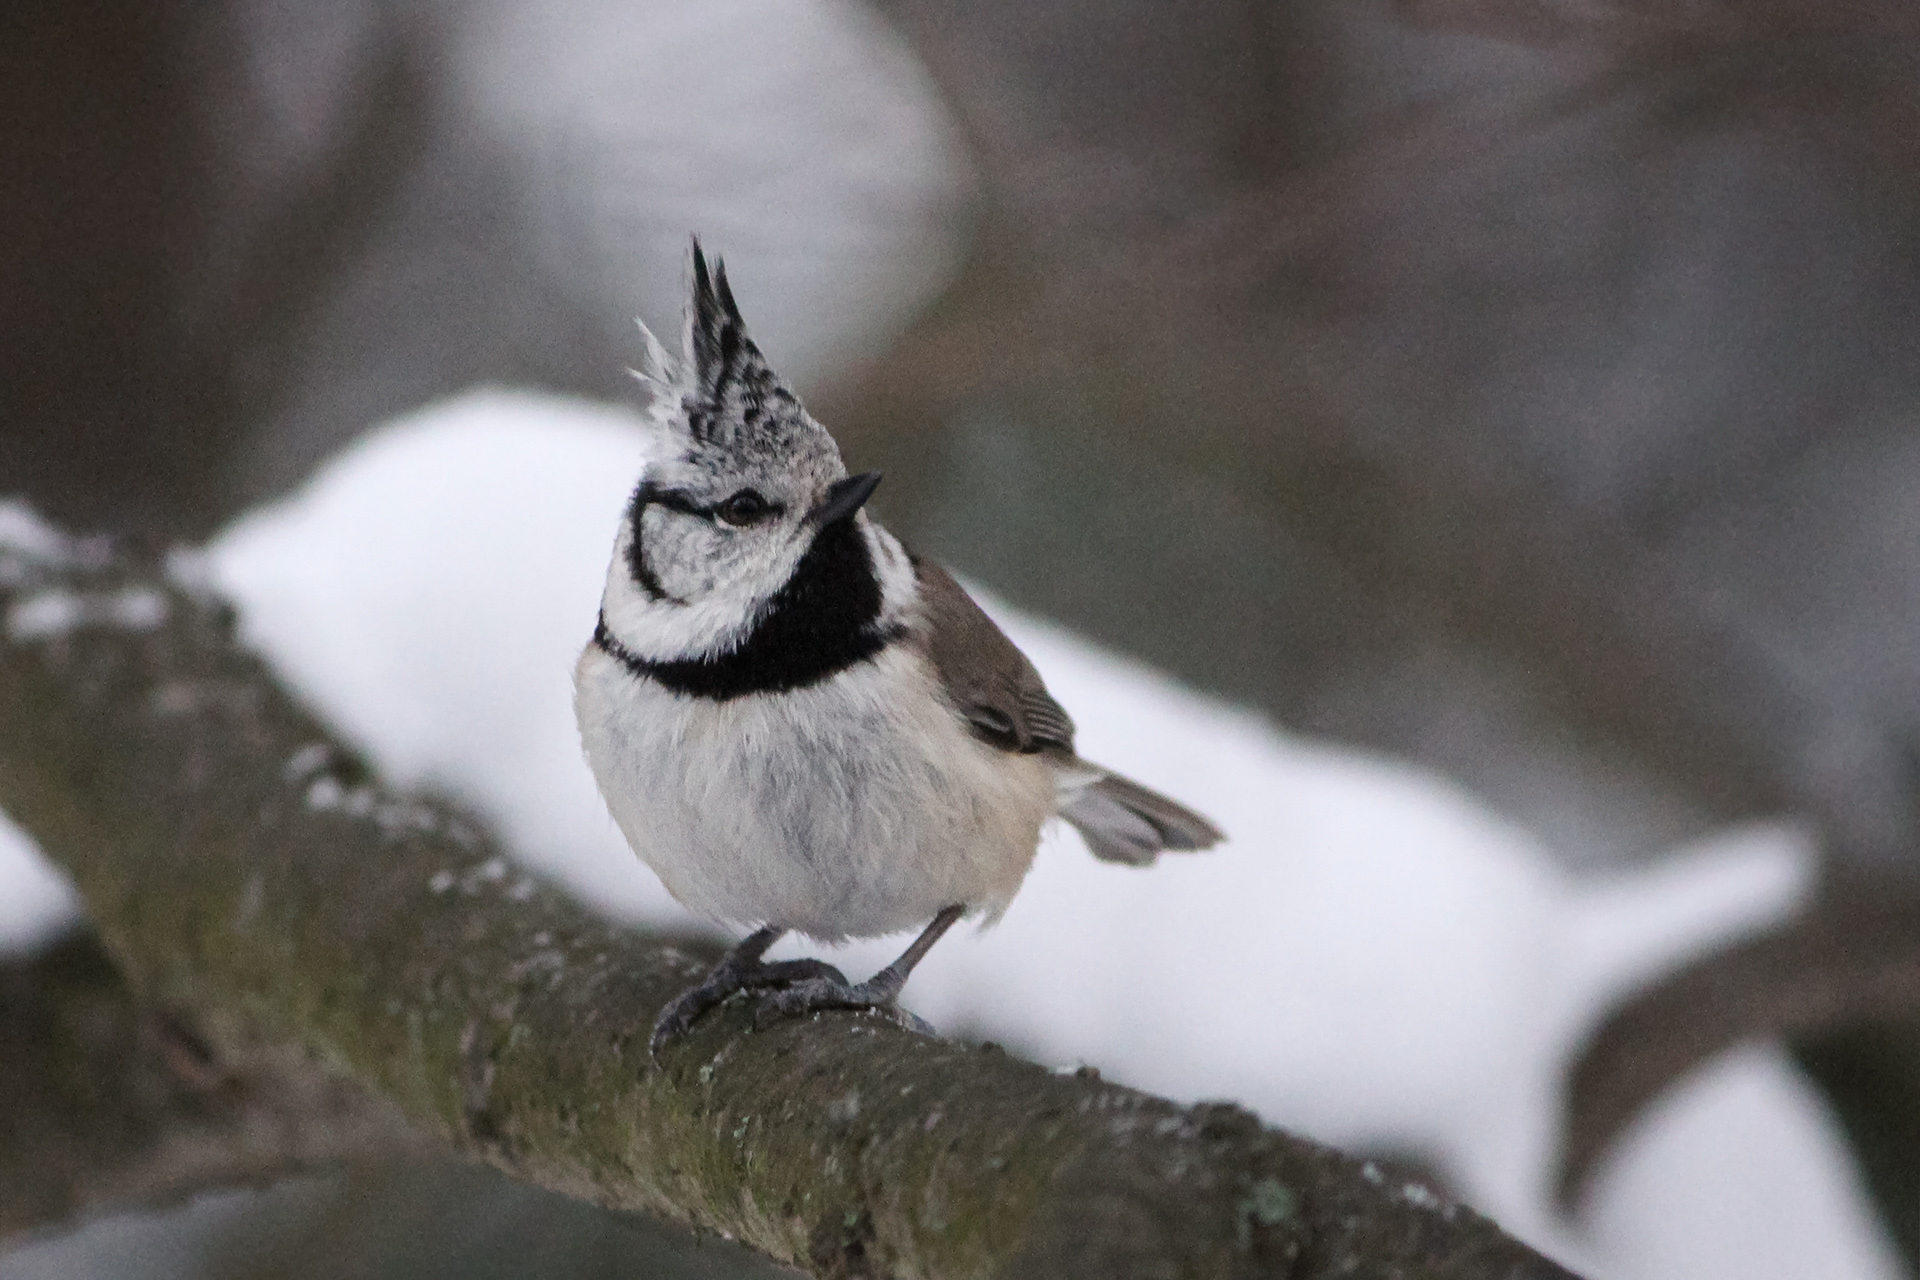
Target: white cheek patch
<point>684,555</point>
<point>717,587</point>
<point>714,618</point>
<point>749,566</point>
<point>899,586</point>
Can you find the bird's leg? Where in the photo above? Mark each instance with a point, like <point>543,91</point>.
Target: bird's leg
<point>880,993</point>
<point>740,969</point>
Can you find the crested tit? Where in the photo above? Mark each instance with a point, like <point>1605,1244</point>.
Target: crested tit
<point>798,724</point>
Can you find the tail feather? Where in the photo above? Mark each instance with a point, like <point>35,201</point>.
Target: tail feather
<point>1123,821</point>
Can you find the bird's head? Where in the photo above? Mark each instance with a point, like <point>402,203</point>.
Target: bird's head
<point>740,480</point>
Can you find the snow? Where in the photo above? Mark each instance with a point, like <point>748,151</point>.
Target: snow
<point>26,543</point>
<point>1374,959</point>
<point>1742,1112</point>
<point>29,548</point>
<point>55,611</point>
<point>37,900</point>
<point>24,533</point>
<point>428,593</point>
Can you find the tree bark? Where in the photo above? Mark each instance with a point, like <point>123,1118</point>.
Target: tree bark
<point>111,1103</point>
<point>255,885</point>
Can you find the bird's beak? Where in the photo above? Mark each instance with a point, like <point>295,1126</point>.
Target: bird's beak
<point>844,497</point>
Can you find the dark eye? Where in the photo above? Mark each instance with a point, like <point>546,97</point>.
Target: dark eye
<point>745,507</point>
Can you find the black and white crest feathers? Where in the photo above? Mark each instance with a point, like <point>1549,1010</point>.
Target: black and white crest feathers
<point>717,339</point>
<point>729,397</point>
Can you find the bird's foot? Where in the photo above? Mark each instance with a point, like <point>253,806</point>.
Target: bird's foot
<point>727,977</point>
<point>882,999</point>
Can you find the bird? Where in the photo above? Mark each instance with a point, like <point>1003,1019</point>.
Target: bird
<point>800,725</point>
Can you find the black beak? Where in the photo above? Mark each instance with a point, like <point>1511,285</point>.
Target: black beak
<point>844,498</point>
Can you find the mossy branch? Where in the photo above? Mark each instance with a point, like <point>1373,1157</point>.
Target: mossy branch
<point>250,880</point>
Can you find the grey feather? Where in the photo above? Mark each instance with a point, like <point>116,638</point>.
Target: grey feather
<point>1123,821</point>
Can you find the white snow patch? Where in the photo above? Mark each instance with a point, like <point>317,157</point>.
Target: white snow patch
<point>57,611</point>
<point>1700,1188</point>
<point>1374,958</point>
<point>307,761</point>
<point>428,593</point>
<point>28,544</point>
<point>24,533</point>
<point>37,900</point>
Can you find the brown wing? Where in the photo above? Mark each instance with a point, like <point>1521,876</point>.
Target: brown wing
<point>1003,698</point>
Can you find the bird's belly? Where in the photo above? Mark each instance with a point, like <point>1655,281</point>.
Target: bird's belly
<point>854,807</point>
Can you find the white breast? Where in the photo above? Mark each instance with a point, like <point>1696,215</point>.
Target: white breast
<point>855,807</point>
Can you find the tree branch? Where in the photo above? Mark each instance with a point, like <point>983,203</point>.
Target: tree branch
<point>243,871</point>
<point>1846,971</point>
<point>111,1104</point>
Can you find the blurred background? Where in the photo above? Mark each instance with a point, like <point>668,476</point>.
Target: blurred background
<point>1527,390</point>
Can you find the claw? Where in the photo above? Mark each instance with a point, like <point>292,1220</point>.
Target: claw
<point>726,978</point>
<point>797,986</point>
<point>836,992</point>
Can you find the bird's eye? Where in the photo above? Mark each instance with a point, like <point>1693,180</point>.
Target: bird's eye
<point>745,507</point>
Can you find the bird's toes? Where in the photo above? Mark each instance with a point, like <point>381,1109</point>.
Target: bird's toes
<point>786,973</point>
<point>679,1016</point>
<point>800,997</point>
<point>776,978</point>
<point>815,994</point>
<point>902,1018</point>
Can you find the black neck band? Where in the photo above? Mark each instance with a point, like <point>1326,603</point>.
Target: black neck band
<point>823,621</point>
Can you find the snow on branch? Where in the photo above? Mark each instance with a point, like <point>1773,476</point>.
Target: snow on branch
<point>252,882</point>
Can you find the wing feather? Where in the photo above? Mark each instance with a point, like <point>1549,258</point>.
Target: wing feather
<point>989,680</point>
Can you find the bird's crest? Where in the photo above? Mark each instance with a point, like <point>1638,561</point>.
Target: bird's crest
<point>720,390</point>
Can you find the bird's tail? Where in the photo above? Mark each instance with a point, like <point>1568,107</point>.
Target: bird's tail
<point>1122,821</point>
